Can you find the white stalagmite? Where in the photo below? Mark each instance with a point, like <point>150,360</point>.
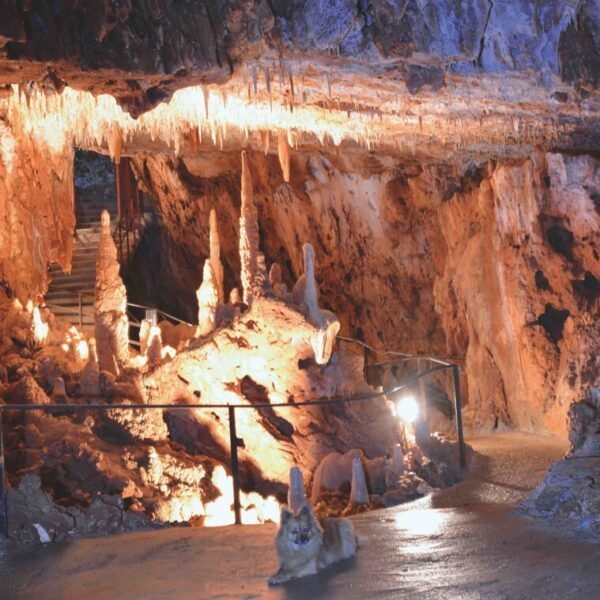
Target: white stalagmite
<point>296,491</point>
<point>110,305</point>
<point>248,233</point>
<point>325,321</point>
<point>154,347</point>
<point>283,150</point>
<point>215,254</point>
<point>208,301</point>
<point>359,494</point>
<point>38,329</point>
<point>234,296</point>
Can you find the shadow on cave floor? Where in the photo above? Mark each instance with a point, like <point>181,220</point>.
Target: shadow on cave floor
<point>461,543</point>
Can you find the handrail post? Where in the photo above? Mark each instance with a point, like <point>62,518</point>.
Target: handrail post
<point>80,310</point>
<point>3,504</point>
<point>366,363</point>
<point>459,424</point>
<point>234,442</point>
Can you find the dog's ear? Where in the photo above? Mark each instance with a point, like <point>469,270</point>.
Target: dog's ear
<point>285,515</point>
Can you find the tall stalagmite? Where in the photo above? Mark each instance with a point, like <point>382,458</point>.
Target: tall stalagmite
<point>248,233</point>
<point>325,321</point>
<point>110,305</point>
<point>208,301</point>
<point>215,254</point>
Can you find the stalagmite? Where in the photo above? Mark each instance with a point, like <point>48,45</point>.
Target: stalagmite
<point>208,301</point>
<point>325,321</point>
<point>234,296</point>
<point>296,490</point>
<point>283,151</point>
<point>262,284</point>
<point>38,329</point>
<point>359,494</point>
<point>155,347</point>
<point>59,392</point>
<point>110,305</point>
<point>277,285</point>
<point>215,254</point>
<point>88,382</point>
<point>248,233</point>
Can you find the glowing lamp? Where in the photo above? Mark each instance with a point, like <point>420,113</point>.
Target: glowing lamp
<point>407,409</point>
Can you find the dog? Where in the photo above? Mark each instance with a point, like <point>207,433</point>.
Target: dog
<point>305,547</point>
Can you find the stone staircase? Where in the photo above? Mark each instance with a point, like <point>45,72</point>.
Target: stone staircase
<point>67,290</point>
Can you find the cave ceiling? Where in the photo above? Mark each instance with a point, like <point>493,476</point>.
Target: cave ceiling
<point>429,80</point>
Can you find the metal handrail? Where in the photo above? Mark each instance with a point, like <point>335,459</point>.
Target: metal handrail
<point>235,442</point>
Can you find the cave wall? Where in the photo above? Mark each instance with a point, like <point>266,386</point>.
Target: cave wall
<point>493,264</point>
<point>37,215</point>
<point>375,260</point>
<point>519,290</point>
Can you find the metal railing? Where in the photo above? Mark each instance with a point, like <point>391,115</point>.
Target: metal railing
<point>235,441</point>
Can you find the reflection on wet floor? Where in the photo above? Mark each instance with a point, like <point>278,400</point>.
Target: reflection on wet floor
<point>471,549</point>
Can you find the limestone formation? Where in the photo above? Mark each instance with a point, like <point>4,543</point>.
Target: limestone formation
<point>88,380</point>
<point>249,237</point>
<point>110,305</point>
<point>208,301</point>
<point>38,329</point>
<point>296,491</point>
<point>359,494</point>
<point>155,347</point>
<point>215,254</point>
<point>283,151</point>
<point>325,321</point>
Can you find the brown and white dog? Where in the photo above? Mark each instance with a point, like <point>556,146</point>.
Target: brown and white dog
<point>304,546</point>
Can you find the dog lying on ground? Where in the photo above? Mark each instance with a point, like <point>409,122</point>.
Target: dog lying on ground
<point>304,546</point>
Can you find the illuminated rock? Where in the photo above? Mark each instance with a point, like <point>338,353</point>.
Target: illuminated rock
<point>38,329</point>
<point>283,151</point>
<point>333,472</point>
<point>110,306</point>
<point>208,301</point>
<point>249,237</point>
<point>325,321</point>
<point>215,255</point>
<point>155,347</point>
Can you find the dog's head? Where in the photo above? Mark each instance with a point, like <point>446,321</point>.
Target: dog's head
<point>299,529</point>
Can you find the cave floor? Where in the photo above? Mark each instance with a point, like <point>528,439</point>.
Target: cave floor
<point>461,543</point>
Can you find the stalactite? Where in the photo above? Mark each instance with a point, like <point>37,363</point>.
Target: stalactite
<point>249,236</point>
<point>215,254</point>
<point>115,142</point>
<point>283,151</point>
